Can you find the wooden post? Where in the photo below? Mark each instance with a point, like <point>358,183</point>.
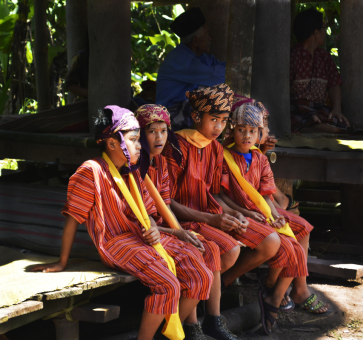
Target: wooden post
<point>66,330</point>
<point>350,52</point>
<point>271,62</point>
<point>77,31</point>
<point>241,31</point>
<point>217,16</point>
<point>109,33</point>
<point>41,54</point>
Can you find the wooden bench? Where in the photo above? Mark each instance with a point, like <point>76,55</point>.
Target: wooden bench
<point>56,304</point>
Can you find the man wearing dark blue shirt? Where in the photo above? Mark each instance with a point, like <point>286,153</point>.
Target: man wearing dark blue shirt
<point>187,67</point>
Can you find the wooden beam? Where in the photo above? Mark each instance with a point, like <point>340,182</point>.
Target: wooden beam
<point>336,248</point>
<point>335,268</point>
<point>95,312</point>
<point>240,45</point>
<point>20,309</point>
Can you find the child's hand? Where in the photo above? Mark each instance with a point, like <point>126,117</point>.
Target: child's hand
<point>269,144</point>
<point>257,216</point>
<point>225,222</point>
<point>151,236</point>
<point>279,222</point>
<point>242,227</point>
<point>49,267</point>
<point>188,237</point>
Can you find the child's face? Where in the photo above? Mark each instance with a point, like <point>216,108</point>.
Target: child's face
<point>211,125</point>
<point>265,131</point>
<point>156,135</point>
<point>132,141</point>
<point>245,136</point>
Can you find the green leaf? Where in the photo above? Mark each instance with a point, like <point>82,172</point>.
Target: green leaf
<point>149,76</point>
<point>4,11</point>
<point>29,53</point>
<point>177,10</point>
<point>7,25</point>
<point>4,96</point>
<point>5,42</point>
<point>156,38</point>
<point>4,57</point>
<point>135,77</point>
<point>166,17</point>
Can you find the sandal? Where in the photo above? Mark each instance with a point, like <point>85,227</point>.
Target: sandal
<point>307,306</point>
<point>290,306</point>
<point>292,203</point>
<point>266,308</point>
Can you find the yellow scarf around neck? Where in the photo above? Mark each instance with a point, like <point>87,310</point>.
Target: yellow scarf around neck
<point>173,328</point>
<point>251,148</point>
<point>253,194</point>
<point>194,137</point>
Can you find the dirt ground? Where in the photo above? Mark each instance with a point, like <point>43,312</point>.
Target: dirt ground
<point>345,298</point>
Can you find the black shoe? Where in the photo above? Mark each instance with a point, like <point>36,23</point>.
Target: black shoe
<point>216,327</point>
<point>193,331</point>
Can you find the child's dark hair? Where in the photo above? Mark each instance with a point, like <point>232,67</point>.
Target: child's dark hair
<point>306,22</point>
<point>101,123</point>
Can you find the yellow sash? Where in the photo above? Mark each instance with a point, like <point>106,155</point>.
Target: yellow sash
<point>160,204</point>
<point>254,195</point>
<point>251,148</point>
<point>194,137</point>
<point>173,328</point>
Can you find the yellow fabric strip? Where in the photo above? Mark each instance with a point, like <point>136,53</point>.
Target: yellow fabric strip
<point>160,204</point>
<point>253,194</point>
<point>173,328</point>
<point>252,147</point>
<point>194,137</point>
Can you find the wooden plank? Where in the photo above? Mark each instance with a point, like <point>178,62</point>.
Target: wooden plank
<point>320,166</point>
<point>241,31</point>
<point>95,312</point>
<point>335,268</point>
<point>105,281</point>
<point>59,294</point>
<point>336,248</point>
<point>20,309</point>
<point>317,195</point>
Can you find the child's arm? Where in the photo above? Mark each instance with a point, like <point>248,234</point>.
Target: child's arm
<point>248,213</point>
<point>279,219</point>
<point>224,222</point>
<point>69,233</point>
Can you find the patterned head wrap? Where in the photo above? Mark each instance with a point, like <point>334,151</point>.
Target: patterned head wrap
<point>214,99</point>
<point>146,115</point>
<point>121,120</point>
<point>247,114</point>
<point>239,100</point>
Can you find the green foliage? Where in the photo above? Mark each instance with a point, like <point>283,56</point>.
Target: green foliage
<point>151,38</point>
<point>29,106</point>
<point>9,164</point>
<point>331,13</point>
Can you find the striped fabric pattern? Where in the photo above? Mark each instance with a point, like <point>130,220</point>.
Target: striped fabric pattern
<point>290,256</point>
<point>159,175</point>
<point>192,184</point>
<point>94,198</point>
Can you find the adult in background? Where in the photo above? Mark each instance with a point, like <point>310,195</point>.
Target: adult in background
<point>314,77</point>
<point>187,67</point>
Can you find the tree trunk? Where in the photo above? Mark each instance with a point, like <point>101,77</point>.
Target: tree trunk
<point>109,33</point>
<point>271,62</point>
<point>77,32</point>
<point>41,54</point>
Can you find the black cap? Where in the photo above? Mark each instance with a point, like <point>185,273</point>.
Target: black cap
<point>188,22</point>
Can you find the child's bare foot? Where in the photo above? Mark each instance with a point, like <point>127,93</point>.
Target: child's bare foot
<point>309,302</point>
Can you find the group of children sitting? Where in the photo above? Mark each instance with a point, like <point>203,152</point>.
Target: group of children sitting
<point>188,216</point>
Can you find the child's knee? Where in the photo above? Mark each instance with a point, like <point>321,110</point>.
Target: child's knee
<point>230,257</point>
<point>172,289</point>
<point>272,244</point>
